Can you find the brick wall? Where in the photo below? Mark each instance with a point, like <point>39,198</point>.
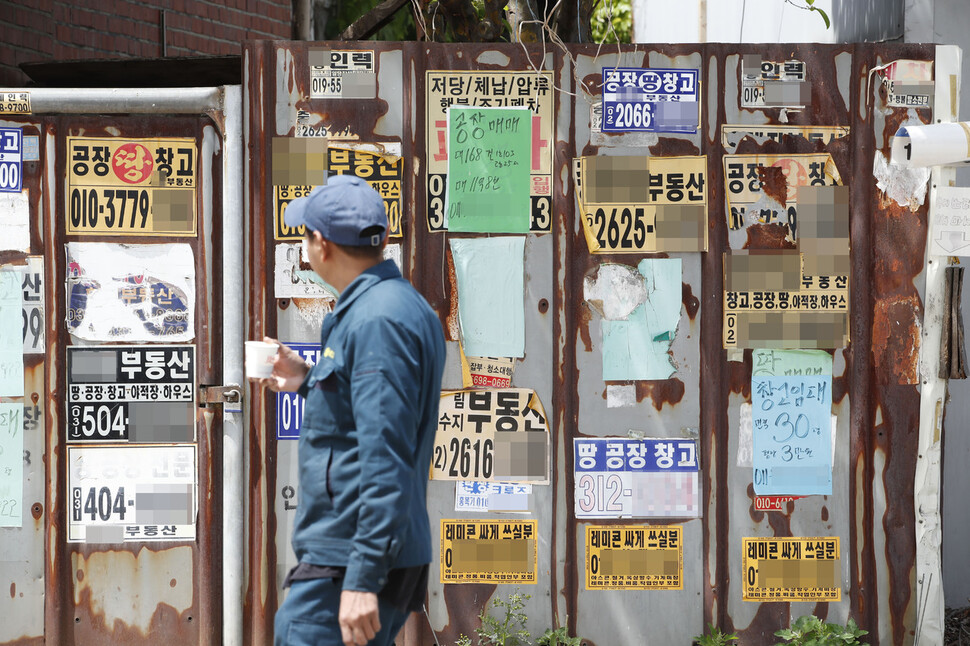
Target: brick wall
<point>51,30</point>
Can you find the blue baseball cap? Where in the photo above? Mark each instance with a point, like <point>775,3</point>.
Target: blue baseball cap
<point>346,210</point>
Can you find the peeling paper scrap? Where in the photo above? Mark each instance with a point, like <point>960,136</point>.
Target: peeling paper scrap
<point>11,337</point>
<point>745,446</point>
<point>909,83</point>
<point>614,291</point>
<point>137,292</point>
<point>15,221</point>
<point>638,347</point>
<point>486,372</point>
<point>731,136</point>
<point>11,464</point>
<point>295,279</point>
<point>905,185</point>
<point>491,295</point>
<point>621,396</point>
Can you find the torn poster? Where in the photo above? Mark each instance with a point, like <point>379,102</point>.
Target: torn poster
<point>908,83</point>
<point>295,278</point>
<point>491,295</point>
<point>791,407</point>
<point>640,312</point>
<point>11,345</point>
<point>130,292</point>
<point>731,135</point>
<point>637,204</point>
<point>11,464</point>
<point>486,372</point>
<point>493,435</point>
<point>772,84</point>
<point>625,478</point>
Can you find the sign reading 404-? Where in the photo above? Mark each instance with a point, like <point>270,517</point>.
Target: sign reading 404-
<point>131,187</point>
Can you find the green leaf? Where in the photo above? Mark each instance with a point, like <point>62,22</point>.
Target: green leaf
<point>828,23</point>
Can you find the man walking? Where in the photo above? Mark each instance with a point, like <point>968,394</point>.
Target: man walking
<point>361,533</point>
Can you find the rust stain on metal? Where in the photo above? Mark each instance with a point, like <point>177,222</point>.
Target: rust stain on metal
<point>452,329</point>
<point>774,183</point>
<point>667,391</point>
<point>739,376</point>
<point>691,302</point>
<point>670,147</point>
<point>895,339</point>
<point>585,316</point>
<point>768,236</point>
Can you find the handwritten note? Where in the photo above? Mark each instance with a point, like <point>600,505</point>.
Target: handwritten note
<point>11,465</point>
<point>791,401</point>
<point>11,336</point>
<point>489,162</point>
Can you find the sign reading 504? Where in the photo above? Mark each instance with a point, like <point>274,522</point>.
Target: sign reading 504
<point>131,187</point>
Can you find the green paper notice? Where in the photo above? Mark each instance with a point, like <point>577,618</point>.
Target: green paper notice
<point>489,157</point>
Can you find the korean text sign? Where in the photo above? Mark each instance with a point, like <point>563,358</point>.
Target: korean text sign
<point>11,160</point>
<point>635,557</point>
<point>636,478</point>
<point>791,569</point>
<point>650,100</point>
<point>485,551</point>
<point>289,406</point>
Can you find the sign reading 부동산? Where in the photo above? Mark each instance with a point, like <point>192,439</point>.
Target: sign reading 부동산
<point>127,393</point>
<point>120,494</point>
<point>650,100</point>
<point>131,187</point>
<point>635,557</point>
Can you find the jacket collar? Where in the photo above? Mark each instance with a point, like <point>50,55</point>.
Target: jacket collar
<point>381,271</point>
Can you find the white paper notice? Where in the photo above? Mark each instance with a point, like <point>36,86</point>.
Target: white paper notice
<point>11,345</point>
<point>950,222</point>
<point>15,221</point>
<point>492,496</point>
<point>295,278</point>
<point>11,465</point>
<point>137,292</point>
<point>33,305</point>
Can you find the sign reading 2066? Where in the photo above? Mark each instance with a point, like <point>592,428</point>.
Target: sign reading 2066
<point>131,187</point>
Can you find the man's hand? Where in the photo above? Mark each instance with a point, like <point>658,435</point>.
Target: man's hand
<point>289,369</point>
<point>359,617</point>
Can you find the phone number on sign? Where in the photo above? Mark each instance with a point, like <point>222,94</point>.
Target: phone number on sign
<point>88,205</point>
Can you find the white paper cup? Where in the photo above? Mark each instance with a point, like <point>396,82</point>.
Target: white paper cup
<point>259,359</point>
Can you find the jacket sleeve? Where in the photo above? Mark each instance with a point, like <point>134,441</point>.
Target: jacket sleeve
<point>385,392</point>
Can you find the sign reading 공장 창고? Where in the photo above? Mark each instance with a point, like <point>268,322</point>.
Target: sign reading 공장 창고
<point>650,100</point>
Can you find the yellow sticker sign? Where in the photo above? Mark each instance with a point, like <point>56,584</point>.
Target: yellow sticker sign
<point>384,172</point>
<point>791,569</point>
<point>635,557</point>
<point>479,551</point>
<point>131,187</point>
<point>641,204</point>
<point>15,102</point>
<point>491,435</point>
<point>486,372</point>
<point>731,136</point>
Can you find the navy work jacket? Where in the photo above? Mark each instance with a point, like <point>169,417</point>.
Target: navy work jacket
<point>368,432</point>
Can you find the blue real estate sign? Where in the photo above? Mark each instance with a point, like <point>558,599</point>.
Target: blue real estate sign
<point>11,160</point>
<point>289,406</point>
<point>650,100</point>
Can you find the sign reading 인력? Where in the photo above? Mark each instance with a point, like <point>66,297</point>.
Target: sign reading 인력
<point>11,160</point>
<point>289,406</point>
<point>120,494</point>
<point>342,74</point>
<point>14,102</point>
<point>127,393</point>
<point>491,435</point>
<point>770,84</point>
<point>485,551</point>
<point>650,100</point>
<point>635,557</point>
<point>636,478</point>
<point>791,569</point>
<point>131,187</point>
<point>533,90</point>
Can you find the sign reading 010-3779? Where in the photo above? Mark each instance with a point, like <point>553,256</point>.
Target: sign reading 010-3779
<point>131,187</point>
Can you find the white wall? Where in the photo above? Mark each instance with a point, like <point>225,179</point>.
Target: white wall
<point>948,22</point>
<point>765,21</point>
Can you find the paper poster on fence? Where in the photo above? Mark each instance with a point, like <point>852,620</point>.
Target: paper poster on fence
<point>11,348</point>
<point>635,557</point>
<point>491,435</point>
<point>11,464</point>
<point>791,569</point>
<point>129,292</point>
<point>484,551</point>
<point>491,89</point>
<point>791,409</point>
<point>120,494</point>
<point>774,84</point>
<point>638,204</point>
<point>619,477</point>
<point>33,305</point>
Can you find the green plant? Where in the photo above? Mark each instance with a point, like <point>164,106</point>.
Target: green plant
<point>558,637</point>
<point>809,630</point>
<point>463,640</point>
<point>715,637</point>
<point>508,629</point>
